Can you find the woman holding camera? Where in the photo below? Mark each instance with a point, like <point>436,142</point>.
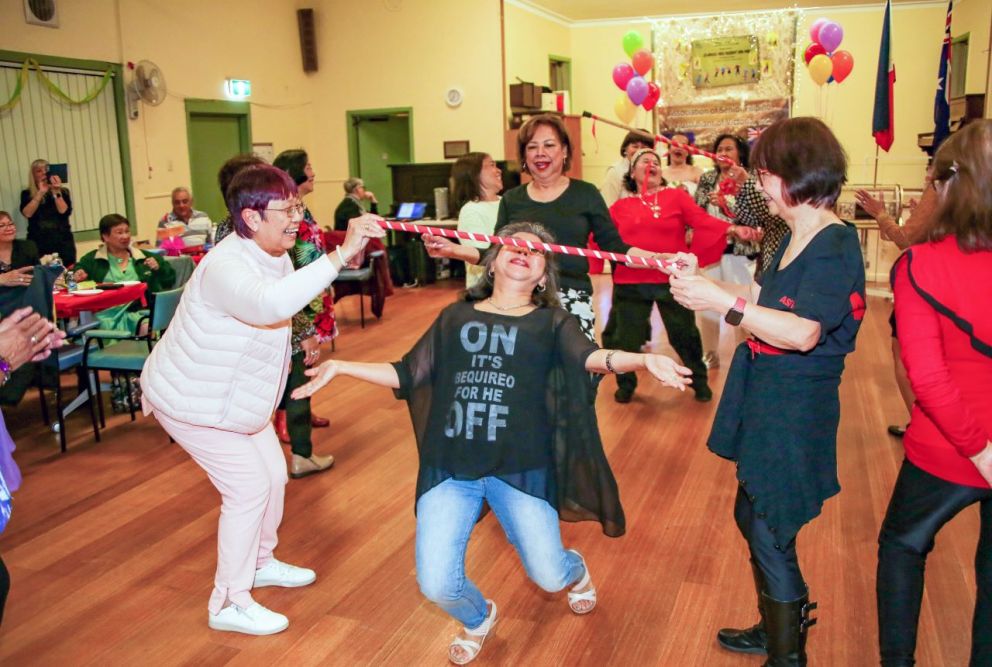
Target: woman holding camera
<point>47,206</point>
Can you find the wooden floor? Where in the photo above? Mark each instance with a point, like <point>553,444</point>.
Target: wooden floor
<point>111,546</point>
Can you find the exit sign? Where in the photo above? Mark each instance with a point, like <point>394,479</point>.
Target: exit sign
<point>238,89</point>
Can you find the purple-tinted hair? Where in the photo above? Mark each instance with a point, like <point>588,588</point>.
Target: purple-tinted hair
<point>253,188</point>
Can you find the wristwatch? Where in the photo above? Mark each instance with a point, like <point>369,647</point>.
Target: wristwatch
<point>736,312</point>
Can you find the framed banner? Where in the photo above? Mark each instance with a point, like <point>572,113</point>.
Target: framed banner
<point>725,61</point>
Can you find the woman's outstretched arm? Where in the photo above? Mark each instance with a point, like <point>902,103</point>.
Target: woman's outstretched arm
<point>382,374</point>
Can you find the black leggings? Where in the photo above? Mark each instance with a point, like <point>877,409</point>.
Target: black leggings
<point>4,587</point>
<point>298,411</point>
<point>775,555</point>
<point>920,506</point>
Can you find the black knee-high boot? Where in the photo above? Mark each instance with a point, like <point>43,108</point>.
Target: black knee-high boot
<point>753,639</point>
<point>786,625</point>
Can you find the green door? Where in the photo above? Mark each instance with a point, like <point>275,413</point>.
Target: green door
<point>381,140</point>
<point>216,133</point>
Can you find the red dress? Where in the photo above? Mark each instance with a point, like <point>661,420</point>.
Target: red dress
<point>658,223</point>
<point>942,298</point>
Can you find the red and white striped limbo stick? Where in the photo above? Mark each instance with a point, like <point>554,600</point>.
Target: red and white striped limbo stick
<point>661,138</point>
<point>650,262</point>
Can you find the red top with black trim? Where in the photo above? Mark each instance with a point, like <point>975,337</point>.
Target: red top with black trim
<point>942,299</point>
<point>635,220</point>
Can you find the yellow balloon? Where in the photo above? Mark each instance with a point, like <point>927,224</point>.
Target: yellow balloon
<point>624,108</point>
<point>820,68</point>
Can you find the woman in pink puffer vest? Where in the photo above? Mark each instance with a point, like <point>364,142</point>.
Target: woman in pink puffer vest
<point>214,379</point>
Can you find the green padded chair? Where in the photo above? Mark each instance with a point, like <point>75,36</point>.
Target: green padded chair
<point>128,352</point>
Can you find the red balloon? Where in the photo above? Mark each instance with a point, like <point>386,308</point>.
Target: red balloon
<point>654,94</point>
<point>814,50</point>
<point>843,64</point>
<point>642,61</point>
<point>622,74</point>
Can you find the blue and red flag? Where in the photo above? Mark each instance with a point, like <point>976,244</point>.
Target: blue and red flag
<point>941,102</point>
<point>883,120</point>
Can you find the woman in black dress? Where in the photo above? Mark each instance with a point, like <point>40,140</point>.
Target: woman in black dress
<point>779,412</point>
<point>47,206</point>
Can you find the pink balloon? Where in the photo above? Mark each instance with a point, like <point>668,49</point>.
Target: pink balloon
<point>622,74</point>
<point>831,35</point>
<point>814,29</point>
<point>637,90</point>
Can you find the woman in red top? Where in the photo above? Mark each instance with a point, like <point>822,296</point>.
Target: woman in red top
<point>946,337</point>
<point>657,219</point>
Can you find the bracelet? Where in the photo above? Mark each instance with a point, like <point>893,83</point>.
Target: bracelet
<point>609,361</point>
<point>341,256</point>
<point>5,370</point>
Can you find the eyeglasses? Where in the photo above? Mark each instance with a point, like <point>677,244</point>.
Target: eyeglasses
<point>7,225</point>
<point>291,210</point>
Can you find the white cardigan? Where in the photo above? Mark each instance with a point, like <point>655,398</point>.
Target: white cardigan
<point>223,361</point>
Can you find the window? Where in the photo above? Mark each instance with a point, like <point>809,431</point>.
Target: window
<point>560,73</point>
<point>84,136</point>
<point>959,65</point>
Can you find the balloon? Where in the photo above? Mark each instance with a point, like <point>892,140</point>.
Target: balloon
<point>622,73</point>
<point>814,29</point>
<point>843,64</point>
<point>654,94</point>
<point>643,61</point>
<point>820,68</point>
<point>637,90</point>
<point>813,49</point>
<point>624,109</point>
<point>831,35</point>
<point>632,41</point>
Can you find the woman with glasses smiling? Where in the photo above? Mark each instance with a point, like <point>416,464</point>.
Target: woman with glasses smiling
<point>216,376</point>
<point>501,401</point>
<point>17,257</point>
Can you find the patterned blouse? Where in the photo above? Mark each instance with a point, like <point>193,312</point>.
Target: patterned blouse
<point>317,317</point>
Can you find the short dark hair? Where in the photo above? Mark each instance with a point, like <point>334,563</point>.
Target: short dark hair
<point>806,155</point>
<point>963,165</point>
<point>743,150</point>
<point>253,188</point>
<point>528,131</point>
<point>483,287</point>
<point>232,167</point>
<point>111,220</point>
<point>628,179</point>
<point>465,175</point>
<point>636,136</point>
<point>294,163</point>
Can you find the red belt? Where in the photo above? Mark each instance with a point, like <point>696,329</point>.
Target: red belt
<point>761,347</point>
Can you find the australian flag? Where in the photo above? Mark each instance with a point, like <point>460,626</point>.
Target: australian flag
<point>941,102</point>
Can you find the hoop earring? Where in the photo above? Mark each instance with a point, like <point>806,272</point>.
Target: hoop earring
<point>491,274</point>
<point>541,287</point>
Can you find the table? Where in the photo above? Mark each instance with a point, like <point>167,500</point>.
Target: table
<point>71,305</point>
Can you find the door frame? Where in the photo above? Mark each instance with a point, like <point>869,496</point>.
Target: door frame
<point>352,132</point>
<point>201,107</point>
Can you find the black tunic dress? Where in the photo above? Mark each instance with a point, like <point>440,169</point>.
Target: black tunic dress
<point>779,413</point>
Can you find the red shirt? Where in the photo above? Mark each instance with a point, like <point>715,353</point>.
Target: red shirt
<point>676,211</point>
<point>944,323</point>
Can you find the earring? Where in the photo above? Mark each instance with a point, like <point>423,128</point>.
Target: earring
<point>541,287</point>
<point>491,274</point>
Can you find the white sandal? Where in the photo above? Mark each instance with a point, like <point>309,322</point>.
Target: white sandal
<point>473,646</point>
<point>574,599</point>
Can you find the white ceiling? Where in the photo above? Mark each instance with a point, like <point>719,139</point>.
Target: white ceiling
<point>591,10</point>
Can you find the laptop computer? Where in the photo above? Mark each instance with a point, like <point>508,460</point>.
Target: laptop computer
<point>411,211</point>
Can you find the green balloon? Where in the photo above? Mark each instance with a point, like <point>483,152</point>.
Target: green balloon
<point>632,42</point>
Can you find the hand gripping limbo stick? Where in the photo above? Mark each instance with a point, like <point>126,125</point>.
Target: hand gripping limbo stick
<point>650,262</point>
<point>660,138</point>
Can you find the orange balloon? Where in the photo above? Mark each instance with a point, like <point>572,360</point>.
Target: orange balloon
<point>843,63</point>
<point>642,61</point>
<point>820,68</point>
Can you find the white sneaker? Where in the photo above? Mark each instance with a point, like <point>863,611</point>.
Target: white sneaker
<point>277,573</point>
<point>254,620</point>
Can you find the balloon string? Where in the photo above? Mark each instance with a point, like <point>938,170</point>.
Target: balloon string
<point>651,262</point>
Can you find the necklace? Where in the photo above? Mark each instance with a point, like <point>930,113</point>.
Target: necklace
<point>655,208</point>
<point>121,260</point>
<point>505,308</point>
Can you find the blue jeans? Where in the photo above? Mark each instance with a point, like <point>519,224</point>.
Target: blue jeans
<point>446,516</point>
